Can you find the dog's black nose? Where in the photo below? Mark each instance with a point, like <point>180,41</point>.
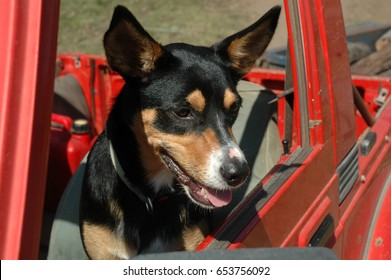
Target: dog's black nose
<point>234,172</point>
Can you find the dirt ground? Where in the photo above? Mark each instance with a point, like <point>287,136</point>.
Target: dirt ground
<point>83,22</point>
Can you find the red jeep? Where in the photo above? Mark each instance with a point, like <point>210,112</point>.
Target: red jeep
<point>321,151</point>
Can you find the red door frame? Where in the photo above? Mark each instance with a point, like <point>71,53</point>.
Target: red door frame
<point>326,132</point>
<point>27,58</point>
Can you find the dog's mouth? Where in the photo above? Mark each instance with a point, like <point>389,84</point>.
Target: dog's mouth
<point>204,195</point>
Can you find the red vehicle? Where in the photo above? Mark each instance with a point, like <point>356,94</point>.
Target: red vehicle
<point>328,153</point>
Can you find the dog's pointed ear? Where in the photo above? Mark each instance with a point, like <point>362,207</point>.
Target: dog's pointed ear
<point>130,50</point>
<point>245,47</point>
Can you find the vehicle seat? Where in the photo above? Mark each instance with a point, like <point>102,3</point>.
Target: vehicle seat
<point>69,99</point>
<point>255,130</point>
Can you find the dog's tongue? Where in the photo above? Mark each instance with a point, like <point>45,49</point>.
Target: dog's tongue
<point>219,198</point>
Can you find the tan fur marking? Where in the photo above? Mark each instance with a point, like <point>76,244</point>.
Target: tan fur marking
<point>102,244</point>
<point>192,152</point>
<point>238,54</point>
<point>229,98</point>
<point>192,237</point>
<point>149,56</point>
<point>143,129</point>
<point>184,149</point>
<point>197,100</point>
<point>116,211</point>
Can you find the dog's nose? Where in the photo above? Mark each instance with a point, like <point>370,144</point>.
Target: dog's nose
<point>234,172</point>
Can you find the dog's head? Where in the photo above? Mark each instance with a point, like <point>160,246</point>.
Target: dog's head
<point>186,104</point>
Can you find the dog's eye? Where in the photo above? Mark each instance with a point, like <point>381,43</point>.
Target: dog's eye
<point>235,107</point>
<point>184,113</point>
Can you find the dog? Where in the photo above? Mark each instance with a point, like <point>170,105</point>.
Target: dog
<point>167,155</point>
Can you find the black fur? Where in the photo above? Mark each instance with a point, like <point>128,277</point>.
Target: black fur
<point>161,81</point>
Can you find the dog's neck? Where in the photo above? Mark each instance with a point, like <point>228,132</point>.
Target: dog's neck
<point>121,173</point>
<point>129,165</point>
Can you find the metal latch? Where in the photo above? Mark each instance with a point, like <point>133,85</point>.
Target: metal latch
<point>367,143</point>
<point>381,98</point>
<point>323,233</point>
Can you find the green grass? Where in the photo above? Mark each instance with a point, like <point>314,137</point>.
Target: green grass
<point>201,22</point>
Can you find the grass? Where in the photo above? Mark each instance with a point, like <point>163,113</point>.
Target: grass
<point>202,22</point>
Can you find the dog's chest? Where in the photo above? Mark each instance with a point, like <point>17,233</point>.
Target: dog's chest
<point>188,239</point>
<point>173,227</point>
<point>158,245</point>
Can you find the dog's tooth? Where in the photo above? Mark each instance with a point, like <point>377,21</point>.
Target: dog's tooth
<point>185,179</point>
<point>203,192</point>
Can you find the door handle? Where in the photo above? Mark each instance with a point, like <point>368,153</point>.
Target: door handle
<point>323,233</point>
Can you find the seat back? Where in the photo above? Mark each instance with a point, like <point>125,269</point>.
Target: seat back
<point>69,99</point>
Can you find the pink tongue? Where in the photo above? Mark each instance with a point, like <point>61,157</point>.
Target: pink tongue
<point>218,198</point>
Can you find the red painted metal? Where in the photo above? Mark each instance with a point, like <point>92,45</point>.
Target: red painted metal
<point>99,84</point>
<point>358,210</point>
<point>333,58</point>
<point>296,137</point>
<point>379,239</point>
<point>276,226</point>
<point>67,149</point>
<point>369,87</point>
<point>289,218</point>
<point>59,172</point>
<point>27,56</point>
<point>78,146</point>
<point>270,78</point>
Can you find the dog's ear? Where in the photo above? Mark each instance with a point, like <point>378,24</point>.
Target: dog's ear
<point>130,50</point>
<point>245,47</point>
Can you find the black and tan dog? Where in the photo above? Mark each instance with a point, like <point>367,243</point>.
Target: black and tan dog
<point>167,154</point>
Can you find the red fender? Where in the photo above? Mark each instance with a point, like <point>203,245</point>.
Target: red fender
<point>379,241</point>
